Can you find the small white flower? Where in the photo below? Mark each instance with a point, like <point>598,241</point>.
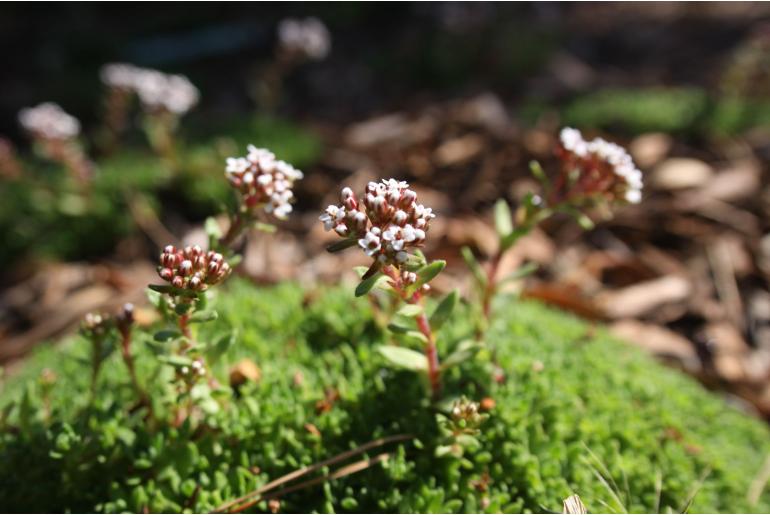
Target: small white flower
<point>573,141</point>
<point>370,243</point>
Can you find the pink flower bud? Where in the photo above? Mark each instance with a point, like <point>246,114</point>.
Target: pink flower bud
<point>177,282</point>
<point>185,268</point>
<point>166,274</point>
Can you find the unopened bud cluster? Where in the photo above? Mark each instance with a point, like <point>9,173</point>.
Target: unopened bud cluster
<point>263,181</point>
<point>156,90</point>
<point>386,222</point>
<point>309,38</point>
<point>601,169</point>
<point>191,268</point>
<point>49,121</point>
<point>467,411</point>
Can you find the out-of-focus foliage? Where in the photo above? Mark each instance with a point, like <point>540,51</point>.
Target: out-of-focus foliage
<point>44,214</point>
<point>576,412</point>
<point>673,110</point>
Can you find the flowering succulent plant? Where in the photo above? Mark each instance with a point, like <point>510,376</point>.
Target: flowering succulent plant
<point>388,224</point>
<point>298,42</point>
<point>191,268</point>
<point>594,173</point>
<point>594,170</point>
<point>263,182</point>
<point>163,97</point>
<point>264,186</point>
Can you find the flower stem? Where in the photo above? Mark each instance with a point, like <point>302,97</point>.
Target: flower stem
<point>236,227</point>
<point>423,324</point>
<point>183,325</point>
<point>128,359</point>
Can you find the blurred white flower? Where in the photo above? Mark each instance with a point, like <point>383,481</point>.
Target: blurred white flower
<point>156,90</point>
<point>605,168</point>
<point>49,121</point>
<point>308,37</point>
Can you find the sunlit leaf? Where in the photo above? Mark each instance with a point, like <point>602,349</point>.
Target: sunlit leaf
<point>404,358</point>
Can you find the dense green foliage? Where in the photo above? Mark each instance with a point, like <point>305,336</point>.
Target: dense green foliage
<point>577,412</point>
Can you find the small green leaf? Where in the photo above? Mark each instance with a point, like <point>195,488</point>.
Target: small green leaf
<point>404,358</point>
<point>428,272</point>
<point>538,173</point>
<point>165,288</point>
<point>464,351</point>
<point>513,237</point>
<point>182,309</point>
<point>503,218</point>
<point>176,361</point>
<point>220,347</point>
<point>261,226</point>
<point>398,329</point>
<point>444,310</point>
<point>366,285</point>
<point>166,334</point>
<point>212,229</point>
<point>203,316</point>
<point>410,310</point>
<point>341,245</point>
<point>474,266</point>
<point>415,337</point>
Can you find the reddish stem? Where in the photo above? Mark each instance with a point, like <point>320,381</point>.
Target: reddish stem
<point>183,320</point>
<point>423,324</point>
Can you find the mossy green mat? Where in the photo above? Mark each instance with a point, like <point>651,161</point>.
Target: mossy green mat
<point>577,412</point>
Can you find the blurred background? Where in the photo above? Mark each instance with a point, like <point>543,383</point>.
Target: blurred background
<point>457,99</point>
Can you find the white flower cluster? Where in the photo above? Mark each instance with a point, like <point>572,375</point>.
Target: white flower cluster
<point>599,152</point>
<point>263,181</point>
<point>156,90</point>
<point>385,224</point>
<point>49,121</point>
<point>308,37</point>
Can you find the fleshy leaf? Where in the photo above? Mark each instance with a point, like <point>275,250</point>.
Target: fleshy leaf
<point>366,285</point>
<point>474,266</point>
<point>404,358</point>
<point>341,245</point>
<point>503,218</point>
<point>464,351</point>
<point>410,310</point>
<point>444,310</point>
<point>166,334</point>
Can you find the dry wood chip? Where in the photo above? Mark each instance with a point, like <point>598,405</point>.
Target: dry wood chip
<point>640,299</point>
<point>681,172</point>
